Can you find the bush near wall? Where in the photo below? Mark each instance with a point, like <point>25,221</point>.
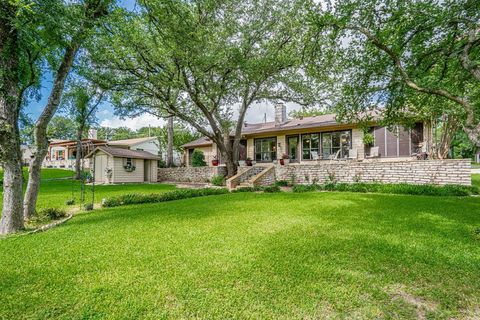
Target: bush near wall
<point>137,198</point>
<point>400,188</point>
<point>198,159</point>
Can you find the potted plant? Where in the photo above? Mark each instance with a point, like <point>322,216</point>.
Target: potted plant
<point>368,139</point>
<point>215,161</point>
<point>285,159</point>
<point>249,162</point>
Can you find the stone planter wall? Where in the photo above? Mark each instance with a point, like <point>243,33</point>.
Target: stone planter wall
<point>190,174</point>
<point>438,172</point>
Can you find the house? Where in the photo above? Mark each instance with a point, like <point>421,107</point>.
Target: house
<point>111,164</point>
<point>62,153</point>
<point>315,138</point>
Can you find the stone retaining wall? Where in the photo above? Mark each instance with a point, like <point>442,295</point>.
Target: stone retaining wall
<point>190,174</point>
<point>439,172</point>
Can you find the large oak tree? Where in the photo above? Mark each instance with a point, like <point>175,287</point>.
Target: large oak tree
<point>205,62</point>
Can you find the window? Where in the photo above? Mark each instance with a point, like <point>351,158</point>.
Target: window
<point>333,142</point>
<point>128,162</point>
<point>310,144</point>
<point>265,149</point>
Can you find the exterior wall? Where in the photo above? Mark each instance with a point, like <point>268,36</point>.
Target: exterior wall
<point>210,152</point>
<point>122,176</point>
<point>439,172</point>
<point>251,148</point>
<point>150,146</point>
<point>265,178</point>
<point>281,146</point>
<point>357,143</point>
<point>190,174</point>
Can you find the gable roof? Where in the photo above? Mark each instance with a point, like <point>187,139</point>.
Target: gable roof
<point>203,141</point>
<point>131,142</point>
<point>124,153</point>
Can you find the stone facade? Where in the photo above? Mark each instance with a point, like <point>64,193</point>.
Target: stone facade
<point>265,178</point>
<point>190,174</point>
<point>438,172</point>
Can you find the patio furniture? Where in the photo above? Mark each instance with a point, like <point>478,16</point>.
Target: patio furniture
<point>315,156</point>
<point>336,156</point>
<point>373,153</point>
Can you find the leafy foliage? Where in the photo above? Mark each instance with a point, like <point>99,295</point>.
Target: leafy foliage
<point>430,190</point>
<point>218,180</point>
<point>138,198</point>
<point>198,158</point>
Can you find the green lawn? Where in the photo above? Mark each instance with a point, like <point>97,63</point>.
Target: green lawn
<point>54,193</point>
<point>247,255</point>
<point>476,180</point>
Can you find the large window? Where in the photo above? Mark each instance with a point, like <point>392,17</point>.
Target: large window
<point>310,145</point>
<point>336,142</point>
<point>265,149</point>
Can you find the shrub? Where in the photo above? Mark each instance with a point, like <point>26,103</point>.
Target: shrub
<point>198,159</point>
<point>400,188</point>
<point>269,189</point>
<point>218,180</point>
<point>136,198</point>
<point>52,213</point>
<point>88,206</point>
<point>70,202</point>
<point>281,183</point>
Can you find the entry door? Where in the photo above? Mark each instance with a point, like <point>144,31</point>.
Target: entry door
<point>100,165</point>
<point>146,170</point>
<point>292,147</point>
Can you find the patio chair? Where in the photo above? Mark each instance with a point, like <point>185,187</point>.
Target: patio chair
<point>373,153</point>
<point>315,156</point>
<point>336,156</point>
<point>352,154</point>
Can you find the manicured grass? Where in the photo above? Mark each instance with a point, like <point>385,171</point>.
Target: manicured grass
<point>476,180</point>
<point>47,174</point>
<point>247,255</point>
<point>54,193</point>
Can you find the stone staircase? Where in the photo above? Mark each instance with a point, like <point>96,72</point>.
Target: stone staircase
<point>248,177</point>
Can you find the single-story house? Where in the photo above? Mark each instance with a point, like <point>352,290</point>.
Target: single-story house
<point>121,165</point>
<point>317,138</point>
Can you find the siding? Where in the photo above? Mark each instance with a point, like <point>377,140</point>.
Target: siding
<point>120,175</point>
<point>150,146</point>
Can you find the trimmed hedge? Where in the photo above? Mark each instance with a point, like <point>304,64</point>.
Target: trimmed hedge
<point>137,198</point>
<point>268,189</point>
<point>400,188</point>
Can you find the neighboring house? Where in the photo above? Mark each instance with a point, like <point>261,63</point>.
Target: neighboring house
<point>316,138</point>
<point>121,165</point>
<point>130,160</point>
<point>62,153</point>
<point>477,156</point>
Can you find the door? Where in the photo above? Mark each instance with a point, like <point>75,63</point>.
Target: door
<point>146,170</point>
<point>100,165</point>
<point>292,148</point>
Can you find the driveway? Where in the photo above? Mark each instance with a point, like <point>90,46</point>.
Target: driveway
<point>476,170</point>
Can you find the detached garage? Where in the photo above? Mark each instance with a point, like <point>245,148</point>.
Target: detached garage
<point>118,165</point>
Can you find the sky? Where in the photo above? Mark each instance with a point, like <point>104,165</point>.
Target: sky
<point>107,118</point>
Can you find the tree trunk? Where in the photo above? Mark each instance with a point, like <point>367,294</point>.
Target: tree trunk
<point>10,154</point>
<point>41,141</point>
<point>79,155</point>
<point>170,142</point>
<point>227,154</point>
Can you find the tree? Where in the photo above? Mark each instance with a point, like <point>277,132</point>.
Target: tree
<point>86,16</point>
<point>199,61</point>
<point>81,102</point>
<point>411,58</point>
<point>10,154</point>
<point>170,141</point>
<point>61,127</point>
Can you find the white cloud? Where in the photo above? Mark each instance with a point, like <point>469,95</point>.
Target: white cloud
<point>143,120</point>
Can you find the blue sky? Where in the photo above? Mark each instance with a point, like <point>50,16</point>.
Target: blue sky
<point>106,115</point>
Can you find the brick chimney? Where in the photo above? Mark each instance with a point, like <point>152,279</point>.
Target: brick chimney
<point>280,113</point>
<point>92,134</point>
